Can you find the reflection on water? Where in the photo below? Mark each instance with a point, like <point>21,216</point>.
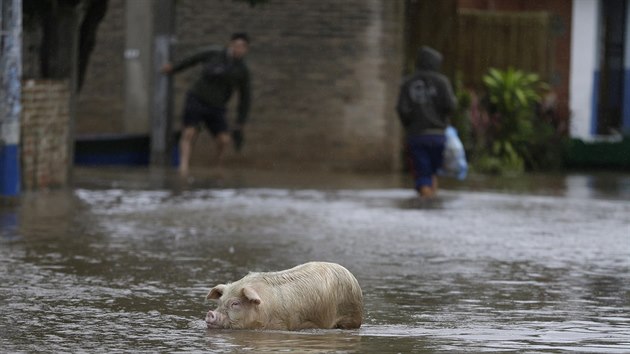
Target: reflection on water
<point>124,264</point>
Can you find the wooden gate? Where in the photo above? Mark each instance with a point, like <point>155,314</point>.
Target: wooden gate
<point>501,40</point>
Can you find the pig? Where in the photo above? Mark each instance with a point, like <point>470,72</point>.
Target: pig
<point>311,295</point>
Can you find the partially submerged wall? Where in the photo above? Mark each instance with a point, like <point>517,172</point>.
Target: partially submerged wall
<point>45,124</point>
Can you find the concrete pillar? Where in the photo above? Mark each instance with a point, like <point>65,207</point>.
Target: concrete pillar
<point>149,33</point>
<point>138,64</point>
<point>10,95</point>
<point>584,68</point>
<point>161,102</point>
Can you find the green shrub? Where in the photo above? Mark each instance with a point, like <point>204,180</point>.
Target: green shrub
<point>517,138</point>
<point>461,119</point>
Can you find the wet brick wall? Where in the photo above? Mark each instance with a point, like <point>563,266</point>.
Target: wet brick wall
<point>325,79</point>
<point>44,133</point>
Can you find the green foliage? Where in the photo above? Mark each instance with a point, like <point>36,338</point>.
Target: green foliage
<point>518,137</point>
<point>502,160</point>
<point>461,118</point>
<point>513,91</point>
<point>513,94</point>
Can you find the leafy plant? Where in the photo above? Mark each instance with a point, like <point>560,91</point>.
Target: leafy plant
<point>513,95</point>
<point>461,119</point>
<point>511,90</point>
<point>511,102</point>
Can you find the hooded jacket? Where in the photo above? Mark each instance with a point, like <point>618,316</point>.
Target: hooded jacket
<point>221,75</point>
<point>426,99</point>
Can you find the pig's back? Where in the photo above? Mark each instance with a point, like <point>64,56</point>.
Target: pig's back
<point>323,293</point>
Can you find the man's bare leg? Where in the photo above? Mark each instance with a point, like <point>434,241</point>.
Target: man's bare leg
<point>429,191</point>
<point>426,192</point>
<point>223,140</point>
<point>185,147</point>
<point>435,185</point>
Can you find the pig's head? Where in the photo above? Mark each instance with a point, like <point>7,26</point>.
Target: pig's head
<point>238,307</point>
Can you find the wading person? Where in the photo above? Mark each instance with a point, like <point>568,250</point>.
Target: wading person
<point>223,71</point>
<point>425,104</point>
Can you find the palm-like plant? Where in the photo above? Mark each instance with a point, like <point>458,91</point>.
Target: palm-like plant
<point>512,96</point>
<point>512,90</point>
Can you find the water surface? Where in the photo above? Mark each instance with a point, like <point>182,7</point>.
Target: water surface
<point>123,261</point>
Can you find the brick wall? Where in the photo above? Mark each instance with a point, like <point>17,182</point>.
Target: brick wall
<point>44,133</point>
<point>325,79</point>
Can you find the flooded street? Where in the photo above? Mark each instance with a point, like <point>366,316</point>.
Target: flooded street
<point>123,261</point>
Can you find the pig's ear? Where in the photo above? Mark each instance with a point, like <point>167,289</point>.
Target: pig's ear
<point>251,295</point>
<point>216,292</point>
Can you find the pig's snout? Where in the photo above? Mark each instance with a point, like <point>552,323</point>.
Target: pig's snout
<point>213,319</point>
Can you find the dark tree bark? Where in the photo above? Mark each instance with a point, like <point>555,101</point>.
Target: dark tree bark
<point>68,35</point>
<point>58,24</point>
<point>94,14</point>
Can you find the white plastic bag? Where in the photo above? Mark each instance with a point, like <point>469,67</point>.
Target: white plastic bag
<point>454,164</point>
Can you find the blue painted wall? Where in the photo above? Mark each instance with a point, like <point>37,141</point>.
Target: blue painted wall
<point>9,170</point>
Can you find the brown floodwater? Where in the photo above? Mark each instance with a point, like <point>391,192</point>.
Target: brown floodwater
<point>122,261</point>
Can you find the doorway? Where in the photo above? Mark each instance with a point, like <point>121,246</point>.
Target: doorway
<point>611,81</point>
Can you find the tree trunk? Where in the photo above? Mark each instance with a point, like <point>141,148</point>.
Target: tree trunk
<point>59,42</point>
<point>62,35</point>
<point>94,13</point>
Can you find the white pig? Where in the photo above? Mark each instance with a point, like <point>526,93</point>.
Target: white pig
<point>311,295</point>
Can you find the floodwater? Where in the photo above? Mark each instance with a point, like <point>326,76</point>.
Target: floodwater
<point>123,261</point>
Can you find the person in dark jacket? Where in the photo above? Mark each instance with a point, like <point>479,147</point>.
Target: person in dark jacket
<point>425,104</point>
<point>223,71</point>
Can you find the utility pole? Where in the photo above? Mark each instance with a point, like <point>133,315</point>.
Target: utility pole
<point>161,100</point>
<point>138,65</point>
<point>149,34</point>
<point>10,95</point>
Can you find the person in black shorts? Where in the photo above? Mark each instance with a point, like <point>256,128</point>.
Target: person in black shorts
<point>196,113</point>
<point>223,71</point>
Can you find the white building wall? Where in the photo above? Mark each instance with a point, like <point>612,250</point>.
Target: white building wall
<point>584,67</point>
